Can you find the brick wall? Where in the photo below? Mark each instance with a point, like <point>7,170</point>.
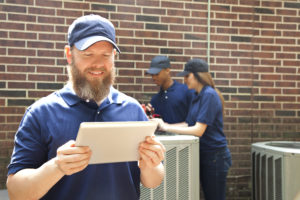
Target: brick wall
<point>254,53</point>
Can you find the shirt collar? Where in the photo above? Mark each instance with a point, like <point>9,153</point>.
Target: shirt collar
<point>197,96</point>
<point>171,88</point>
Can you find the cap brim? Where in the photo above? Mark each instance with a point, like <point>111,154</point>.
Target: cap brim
<point>87,42</point>
<point>153,70</point>
<point>184,73</point>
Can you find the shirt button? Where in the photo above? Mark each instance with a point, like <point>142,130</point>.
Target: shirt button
<point>87,100</point>
<point>166,91</point>
<point>166,97</point>
<point>98,112</point>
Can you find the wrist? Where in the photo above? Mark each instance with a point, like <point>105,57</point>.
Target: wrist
<point>55,163</point>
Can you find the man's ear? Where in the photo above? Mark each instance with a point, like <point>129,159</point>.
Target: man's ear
<point>68,53</point>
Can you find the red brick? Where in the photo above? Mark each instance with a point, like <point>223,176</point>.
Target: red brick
<point>44,28</point>
<point>270,91</point>
<point>291,19</point>
<point>8,127</point>
<point>286,26</point>
<point>131,25</point>
<point>52,37</point>
<point>148,3</point>
<point>21,52</point>
<point>42,11</point>
<point>271,33</point>
<point>157,11</point>
<point>147,50</point>
<point>180,28</point>
<point>285,98</point>
<point>123,17</point>
<point>285,56</point>
<point>272,19</point>
<point>76,5</point>
<point>51,20</point>
<point>12,43</point>
<point>38,94</point>
<point>41,61</point>
<point>129,9</point>
<point>22,35</point>
<point>23,17</point>
<point>13,8</point>
<point>12,60</point>
<point>173,20</point>
<point>12,110</point>
<point>270,48</point>
<point>39,44</point>
<point>272,4</point>
<point>50,53</point>
<point>49,3</point>
<point>146,34</point>
<point>54,70</point>
<point>291,62</point>
<point>130,87</point>
<point>40,77</point>
<point>242,24</point>
<point>21,68</point>
<point>226,46</point>
<point>285,84</point>
<point>21,85</point>
<point>291,91</point>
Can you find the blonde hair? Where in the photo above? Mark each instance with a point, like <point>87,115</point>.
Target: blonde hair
<point>205,79</point>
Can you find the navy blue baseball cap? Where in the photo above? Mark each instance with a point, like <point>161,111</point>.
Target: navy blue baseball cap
<point>157,64</point>
<point>89,29</point>
<point>193,66</point>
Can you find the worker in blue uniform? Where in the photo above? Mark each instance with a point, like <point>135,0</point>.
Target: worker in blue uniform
<point>46,164</point>
<point>173,99</point>
<point>205,120</point>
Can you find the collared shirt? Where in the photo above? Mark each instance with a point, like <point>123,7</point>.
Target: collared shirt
<point>54,120</point>
<point>206,108</point>
<point>173,104</point>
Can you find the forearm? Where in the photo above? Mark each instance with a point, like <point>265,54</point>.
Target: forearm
<point>33,183</point>
<point>196,130</point>
<point>152,177</point>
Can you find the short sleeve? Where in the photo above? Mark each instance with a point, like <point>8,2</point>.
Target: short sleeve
<point>29,151</point>
<point>209,107</point>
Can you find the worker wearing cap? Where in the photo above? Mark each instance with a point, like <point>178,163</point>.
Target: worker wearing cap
<point>46,164</point>
<point>205,120</point>
<point>173,99</point>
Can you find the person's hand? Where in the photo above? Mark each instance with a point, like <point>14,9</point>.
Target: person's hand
<point>71,159</point>
<point>161,124</point>
<point>152,152</point>
<point>149,110</point>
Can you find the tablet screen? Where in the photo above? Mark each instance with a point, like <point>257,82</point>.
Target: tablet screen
<point>114,141</point>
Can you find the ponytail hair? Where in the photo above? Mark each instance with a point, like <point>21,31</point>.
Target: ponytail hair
<point>205,79</point>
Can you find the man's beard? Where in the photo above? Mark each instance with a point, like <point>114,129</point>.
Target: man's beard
<point>95,89</point>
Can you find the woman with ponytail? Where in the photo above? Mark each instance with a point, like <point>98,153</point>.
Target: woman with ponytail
<point>205,120</point>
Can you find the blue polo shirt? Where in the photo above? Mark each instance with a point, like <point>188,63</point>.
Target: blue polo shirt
<point>54,120</point>
<point>173,104</point>
<point>206,108</point>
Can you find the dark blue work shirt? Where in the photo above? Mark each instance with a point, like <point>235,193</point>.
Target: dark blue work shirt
<point>206,108</point>
<point>54,120</point>
<point>173,104</point>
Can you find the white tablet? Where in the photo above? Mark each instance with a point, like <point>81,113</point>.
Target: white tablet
<point>114,141</point>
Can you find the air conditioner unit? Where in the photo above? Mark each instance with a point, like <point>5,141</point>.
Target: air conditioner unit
<point>181,164</point>
<point>275,170</point>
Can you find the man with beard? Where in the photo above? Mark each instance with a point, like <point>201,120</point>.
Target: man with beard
<point>46,164</point>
